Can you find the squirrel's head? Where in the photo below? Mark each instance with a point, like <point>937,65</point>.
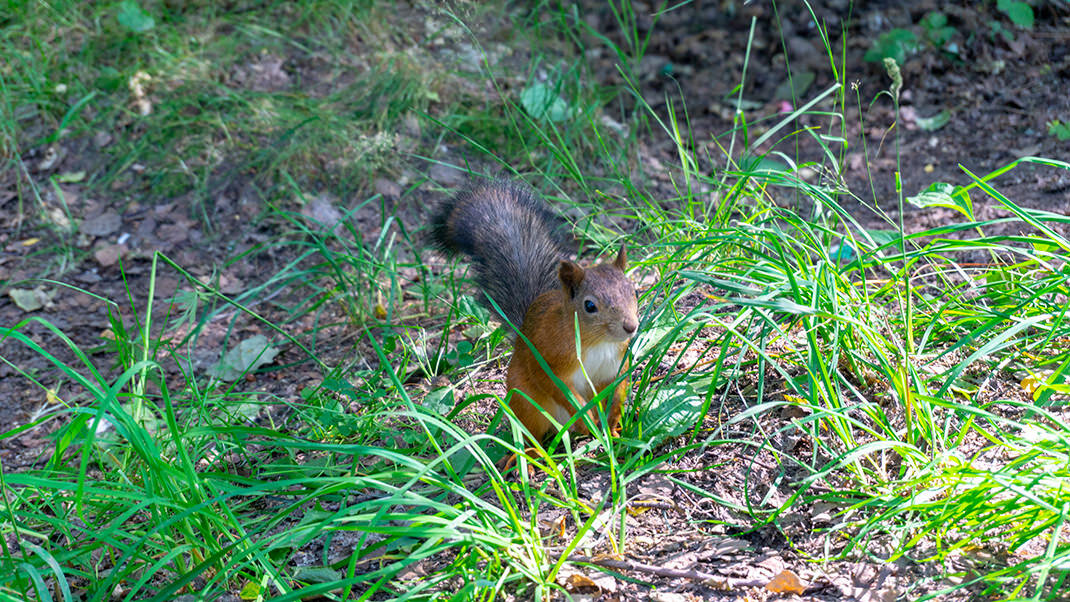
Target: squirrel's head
<point>603,298</point>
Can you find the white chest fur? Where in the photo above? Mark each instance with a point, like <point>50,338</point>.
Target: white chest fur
<point>601,362</point>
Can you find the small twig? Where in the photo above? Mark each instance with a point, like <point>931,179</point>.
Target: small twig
<point>710,579</point>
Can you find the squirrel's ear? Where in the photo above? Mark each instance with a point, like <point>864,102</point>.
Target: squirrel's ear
<point>571,275</point>
<point>622,259</point>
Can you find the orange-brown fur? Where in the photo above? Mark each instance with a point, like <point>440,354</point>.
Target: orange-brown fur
<point>549,326</point>
<point>519,253</point>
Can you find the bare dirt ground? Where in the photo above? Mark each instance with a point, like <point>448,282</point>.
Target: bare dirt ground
<point>1000,94</point>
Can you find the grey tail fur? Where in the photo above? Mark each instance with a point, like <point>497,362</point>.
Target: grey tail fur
<point>511,238</point>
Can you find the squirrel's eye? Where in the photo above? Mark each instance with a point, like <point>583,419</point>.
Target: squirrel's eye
<point>590,306</point>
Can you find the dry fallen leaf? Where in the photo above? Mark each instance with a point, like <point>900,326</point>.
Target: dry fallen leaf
<point>636,510</point>
<point>105,224</point>
<point>581,584</point>
<point>52,156</point>
<point>32,300</point>
<point>550,527</point>
<point>1030,384</point>
<point>601,557</point>
<point>137,84</point>
<point>25,299</point>
<point>786,582</point>
<point>58,217</point>
<point>557,527</point>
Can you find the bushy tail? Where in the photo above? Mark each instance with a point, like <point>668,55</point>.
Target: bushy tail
<point>511,238</point>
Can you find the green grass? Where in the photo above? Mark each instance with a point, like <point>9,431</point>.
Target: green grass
<point>211,117</point>
<point>889,358</point>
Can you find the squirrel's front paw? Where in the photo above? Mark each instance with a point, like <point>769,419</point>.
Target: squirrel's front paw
<point>507,464</point>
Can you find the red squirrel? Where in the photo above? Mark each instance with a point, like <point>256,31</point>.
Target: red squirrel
<point>519,249</point>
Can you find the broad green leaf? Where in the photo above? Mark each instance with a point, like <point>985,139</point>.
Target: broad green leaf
<point>795,87</point>
<point>540,101</point>
<point>248,410</point>
<point>134,18</point>
<point>933,20</point>
<point>439,401</point>
<point>1020,13</point>
<point>895,44</point>
<point>935,122</point>
<point>763,165</point>
<point>942,194</point>
<point>937,30</point>
<point>1059,129</point>
<point>461,356</point>
<point>316,574</point>
<point>675,409</point>
<point>340,386</point>
<point>247,356</point>
<point>883,237</point>
<point>250,591</point>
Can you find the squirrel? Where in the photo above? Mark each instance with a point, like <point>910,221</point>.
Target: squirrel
<point>519,249</point>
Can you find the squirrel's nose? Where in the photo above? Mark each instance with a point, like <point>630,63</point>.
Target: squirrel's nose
<point>630,325</point>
